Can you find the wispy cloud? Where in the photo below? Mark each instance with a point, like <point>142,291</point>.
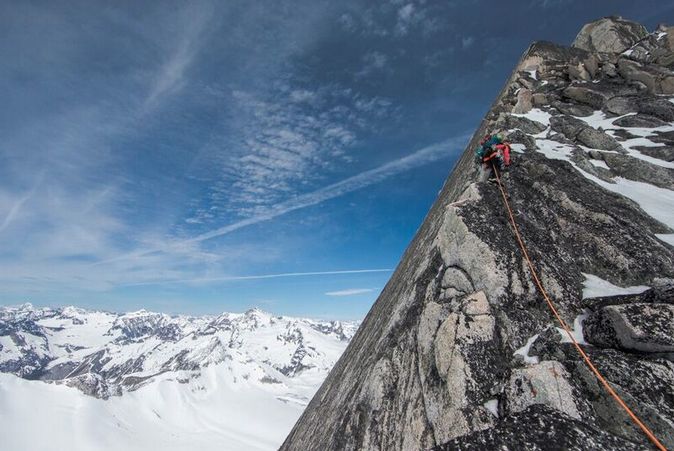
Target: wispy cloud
<point>15,206</point>
<point>76,211</point>
<point>349,292</point>
<point>286,141</point>
<point>415,15</point>
<point>467,42</point>
<point>171,75</point>
<point>414,160</point>
<point>267,276</point>
<point>405,18</point>
<point>396,18</point>
<point>551,3</point>
<point>163,127</point>
<point>372,62</point>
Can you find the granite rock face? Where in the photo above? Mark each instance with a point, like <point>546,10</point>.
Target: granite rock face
<point>460,351</point>
<point>610,35</point>
<point>532,385</point>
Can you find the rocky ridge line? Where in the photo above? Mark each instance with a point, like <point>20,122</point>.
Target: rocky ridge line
<point>460,351</point>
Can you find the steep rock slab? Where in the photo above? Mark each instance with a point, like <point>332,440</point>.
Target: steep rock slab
<point>438,357</point>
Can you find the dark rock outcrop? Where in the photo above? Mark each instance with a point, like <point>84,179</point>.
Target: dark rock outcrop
<point>540,428</point>
<point>94,385</point>
<point>632,327</point>
<point>459,351</point>
<point>587,94</point>
<point>658,107</point>
<point>655,48</point>
<point>597,139</point>
<point>657,79</point>
<point>640,120</point>
<point>664,153</point>
<point>642,322</point>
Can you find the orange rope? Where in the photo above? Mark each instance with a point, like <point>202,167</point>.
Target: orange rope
<point>589,363</point>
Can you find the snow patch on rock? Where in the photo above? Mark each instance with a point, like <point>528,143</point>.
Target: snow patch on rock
<point>524,351</point>
<point>538,115</point>
<point>576,332</point>
<point>492,406</point>
<point>594,287</point>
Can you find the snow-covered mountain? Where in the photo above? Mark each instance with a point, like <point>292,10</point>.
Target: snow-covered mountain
<point>233,381</point>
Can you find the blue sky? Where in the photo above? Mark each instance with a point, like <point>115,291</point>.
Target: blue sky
<point>198,157</point>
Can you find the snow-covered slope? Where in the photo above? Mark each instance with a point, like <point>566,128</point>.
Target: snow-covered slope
<point>145,380</point>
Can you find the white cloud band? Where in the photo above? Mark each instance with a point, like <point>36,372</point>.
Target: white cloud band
<point>350,292</point>
<point>264,276</point>
<point>417,159</point>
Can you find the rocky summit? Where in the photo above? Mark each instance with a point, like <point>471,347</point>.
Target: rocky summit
<point>460,351</point>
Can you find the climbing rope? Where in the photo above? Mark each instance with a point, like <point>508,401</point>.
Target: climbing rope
<point>566,328</point>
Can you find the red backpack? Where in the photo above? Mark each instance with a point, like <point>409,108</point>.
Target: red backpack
<point>505,150</point>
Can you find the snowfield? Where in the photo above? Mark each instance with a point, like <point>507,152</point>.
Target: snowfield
<point>140,381</point>
<point>212,412</point>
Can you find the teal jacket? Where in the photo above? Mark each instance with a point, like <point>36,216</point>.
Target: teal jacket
<point>485,148</point>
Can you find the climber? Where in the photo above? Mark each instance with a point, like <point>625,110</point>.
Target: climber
<point>494,150</point>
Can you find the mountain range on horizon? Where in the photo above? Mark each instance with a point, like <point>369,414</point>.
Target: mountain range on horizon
<point>235,380</point>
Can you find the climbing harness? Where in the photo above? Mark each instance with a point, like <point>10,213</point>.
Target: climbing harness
<point>566,328</point>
